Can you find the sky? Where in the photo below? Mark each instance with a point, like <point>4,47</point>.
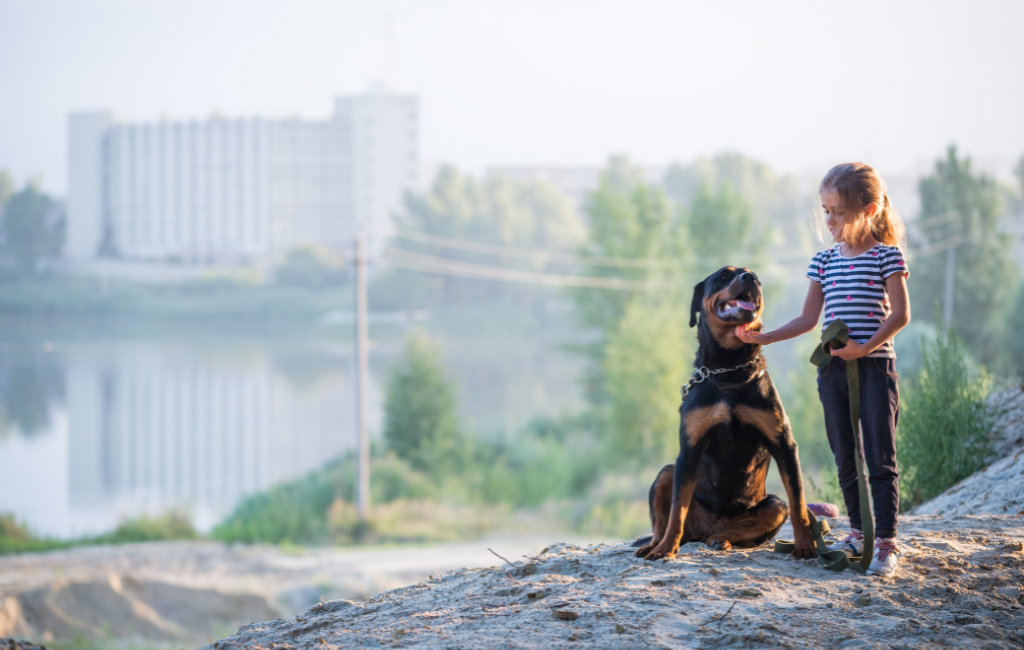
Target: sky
<point>800,85</point>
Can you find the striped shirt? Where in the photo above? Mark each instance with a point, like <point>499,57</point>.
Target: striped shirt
<point>855,289</point>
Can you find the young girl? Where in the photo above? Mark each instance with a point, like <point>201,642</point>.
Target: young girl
<point>862,280</point>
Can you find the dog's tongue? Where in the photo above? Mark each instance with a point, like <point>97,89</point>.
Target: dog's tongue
<point>743,304</point>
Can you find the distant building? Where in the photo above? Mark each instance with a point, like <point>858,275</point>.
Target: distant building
<point>242,189</point>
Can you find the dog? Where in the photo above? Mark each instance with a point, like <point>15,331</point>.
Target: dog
<point>732,424</point>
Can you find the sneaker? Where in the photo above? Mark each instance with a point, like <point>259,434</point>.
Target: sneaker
<point>852,544</point>
<point>884,562</point>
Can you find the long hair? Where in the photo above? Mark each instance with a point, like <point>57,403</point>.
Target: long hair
<point>859,185</point>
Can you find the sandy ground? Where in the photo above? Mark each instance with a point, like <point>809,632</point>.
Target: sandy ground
<point>959,585</point>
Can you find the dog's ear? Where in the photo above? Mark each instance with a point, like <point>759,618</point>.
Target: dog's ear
<point>698,299</point>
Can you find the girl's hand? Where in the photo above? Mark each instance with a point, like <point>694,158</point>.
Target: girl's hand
<point>853,350</point>
<point>752,337</point>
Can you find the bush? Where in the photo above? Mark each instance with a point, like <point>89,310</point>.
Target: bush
<point>173,524</point>
<point>16,538</point>
<point>943,435</point>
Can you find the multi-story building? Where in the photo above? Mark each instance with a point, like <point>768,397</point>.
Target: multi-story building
<point>242,189</point>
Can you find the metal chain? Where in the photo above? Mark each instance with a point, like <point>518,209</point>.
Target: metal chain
<point>702,373</point>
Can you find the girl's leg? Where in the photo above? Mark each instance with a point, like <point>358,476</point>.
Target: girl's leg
<point>879,413</point>
<point>835,399</point>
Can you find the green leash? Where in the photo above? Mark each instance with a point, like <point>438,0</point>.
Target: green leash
<point>835,336</point>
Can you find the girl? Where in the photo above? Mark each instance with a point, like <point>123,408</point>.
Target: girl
<point>862,280</point>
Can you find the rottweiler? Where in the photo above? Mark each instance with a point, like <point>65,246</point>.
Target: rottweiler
<point>731,425</point>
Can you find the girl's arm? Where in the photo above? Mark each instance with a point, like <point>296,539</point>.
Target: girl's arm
<point>802,324</point>
<point>896,286</point>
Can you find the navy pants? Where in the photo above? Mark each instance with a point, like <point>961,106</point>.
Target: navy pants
<point>879,413</point>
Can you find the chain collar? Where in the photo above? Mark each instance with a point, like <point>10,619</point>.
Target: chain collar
<point>702,373</point>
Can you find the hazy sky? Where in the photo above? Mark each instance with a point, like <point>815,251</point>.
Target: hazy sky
<point>801,85</point>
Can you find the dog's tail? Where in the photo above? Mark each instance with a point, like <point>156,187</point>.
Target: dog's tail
<point>824,509</point>
<point>642,541</point>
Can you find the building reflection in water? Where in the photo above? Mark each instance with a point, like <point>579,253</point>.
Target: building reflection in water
<point>142,427</point>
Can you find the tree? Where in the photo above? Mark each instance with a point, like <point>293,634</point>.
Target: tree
<point>309,266</point>
<point>493,210</point>
<point>965,205</point>
<point>33,226</point>
<point>647,358</point>
<point>420,420</point>
<point>628,218</point>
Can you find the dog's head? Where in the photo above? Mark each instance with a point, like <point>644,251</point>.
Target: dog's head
<point>728,297</point>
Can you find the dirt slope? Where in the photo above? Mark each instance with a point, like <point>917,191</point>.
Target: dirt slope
<point>959,585</point>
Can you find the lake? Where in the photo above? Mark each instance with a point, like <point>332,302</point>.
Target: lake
<point>99,424</point>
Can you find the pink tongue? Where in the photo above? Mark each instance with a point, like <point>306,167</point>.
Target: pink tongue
<point>749,306</point>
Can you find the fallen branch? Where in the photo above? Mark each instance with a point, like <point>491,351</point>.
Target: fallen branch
<point>506,561</point>
<point>720,618</point>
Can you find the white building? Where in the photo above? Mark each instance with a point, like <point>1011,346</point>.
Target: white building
<point>239,190</point>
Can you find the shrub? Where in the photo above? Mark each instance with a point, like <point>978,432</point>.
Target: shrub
<point>16,538</point>
<point>943,435</point>
<point>173,524</point>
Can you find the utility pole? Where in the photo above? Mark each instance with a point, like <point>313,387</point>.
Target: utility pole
<point>947,304</point>
<point>362,382</point>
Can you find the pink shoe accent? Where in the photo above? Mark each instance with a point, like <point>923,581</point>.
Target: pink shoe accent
<point>824,509</point>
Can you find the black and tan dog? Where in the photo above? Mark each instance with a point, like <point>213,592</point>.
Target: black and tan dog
<point>732,425</point>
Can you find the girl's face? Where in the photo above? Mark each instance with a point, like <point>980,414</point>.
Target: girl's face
<point>843,224</point>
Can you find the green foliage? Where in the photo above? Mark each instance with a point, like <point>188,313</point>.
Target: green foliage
<point>420,420</point>
<point>34,227</point>
<point>646,361</point>
<point>173,524</point>
<point>983,266</point>
<point>309,266</point>
<point>944,426</point>
<point>294,511</point>
<point>16,538</point>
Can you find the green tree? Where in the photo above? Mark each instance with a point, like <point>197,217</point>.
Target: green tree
<point>628,218</point>
<point>33,226</point>
<point>967,205</point>
<point>421,424</point>
<point>647,358</point>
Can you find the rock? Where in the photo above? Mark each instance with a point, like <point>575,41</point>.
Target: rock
<point>862,601</point>
<point>750,591</point>
<point>11,644</point>
<point>564,614</point>
<point>619,629</point>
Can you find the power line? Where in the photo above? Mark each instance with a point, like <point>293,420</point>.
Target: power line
<point>573,258</point>
<point>444,266</point>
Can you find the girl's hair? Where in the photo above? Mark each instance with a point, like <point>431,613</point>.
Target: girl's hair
<point>859,185</point>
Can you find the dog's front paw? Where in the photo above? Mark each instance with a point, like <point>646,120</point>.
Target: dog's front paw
<point>660,552</point>
<point>644,550</point>
<point>804,552</point>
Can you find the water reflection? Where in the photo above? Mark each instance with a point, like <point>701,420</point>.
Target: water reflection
<point>100,429</point>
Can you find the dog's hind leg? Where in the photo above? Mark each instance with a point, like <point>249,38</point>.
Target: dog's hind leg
<point>752,529</point>
<point>659,500</point>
